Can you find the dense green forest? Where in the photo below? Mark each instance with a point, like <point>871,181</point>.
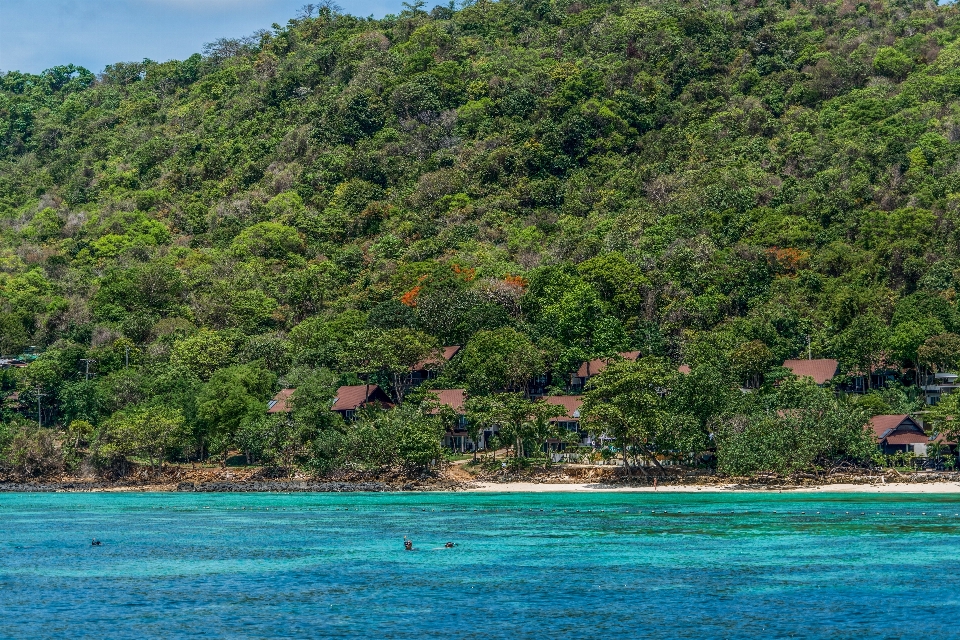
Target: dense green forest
<point>543,181</point>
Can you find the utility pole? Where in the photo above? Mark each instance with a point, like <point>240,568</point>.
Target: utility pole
<point>39,414</point>
<point>809,349</point>
<point>87,361</point>
<point>126,358</point>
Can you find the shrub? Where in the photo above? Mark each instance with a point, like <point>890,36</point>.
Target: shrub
<point>27,451</point>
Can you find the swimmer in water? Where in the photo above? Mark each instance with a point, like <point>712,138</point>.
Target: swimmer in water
<point>449,545</point>
<point>407,544</point>
<point>95,543</point>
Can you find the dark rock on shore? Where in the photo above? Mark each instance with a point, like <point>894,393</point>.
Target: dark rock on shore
<point>292,486</point>
<point>52,487</point>
<point>223,486</point>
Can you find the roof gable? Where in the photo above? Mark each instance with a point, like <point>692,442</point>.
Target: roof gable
<point>431,363</point>
<point>570,406</point>
<point>352,397</point>
<point>595,366</point>
<point>897,429</point>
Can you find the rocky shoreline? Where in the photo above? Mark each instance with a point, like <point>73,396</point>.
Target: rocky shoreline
<point>190,479</point>
<point>284,487</point>
<point>210,487</point>
<point>52,487</point>
<point>221,481</point>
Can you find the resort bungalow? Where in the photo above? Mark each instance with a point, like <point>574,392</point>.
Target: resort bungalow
<point>899,433</point>
<point>568,415</point>
<point>427,369</point>
<point>944,447</point>
<point>350,398</point>
<point>591,368</point>
<point>282,402</point>
<point>456,437</point>
<point>822,370</point>
<point>880,376</point>
<point>937,385</point>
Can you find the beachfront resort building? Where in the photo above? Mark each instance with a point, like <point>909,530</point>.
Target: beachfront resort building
<point>937,385</point>
<point>592,367</point>
<point>282,402</point>
<point>568,417</point>
<point>455,437</point>
<point>899,433</point>
<point>347,402</point>
<point>352,398</point>
<point>821,370</point>
<point>429,368</point>
<point>825,371</point>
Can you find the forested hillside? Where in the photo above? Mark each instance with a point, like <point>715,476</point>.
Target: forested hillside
<point>543,182</point>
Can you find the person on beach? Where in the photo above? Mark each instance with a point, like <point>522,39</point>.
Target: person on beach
<point>654,484</point>
<point>407,544</point>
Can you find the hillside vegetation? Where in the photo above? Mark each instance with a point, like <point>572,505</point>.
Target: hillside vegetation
<point>710,183</point>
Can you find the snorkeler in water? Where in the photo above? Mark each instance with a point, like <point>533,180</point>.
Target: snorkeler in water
<point>408,545</point>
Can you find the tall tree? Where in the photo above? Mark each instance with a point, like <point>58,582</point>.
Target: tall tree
<point>861,346</point>
<point>631,403</point>
<point>146,431</point>
<point>504,360</point>
<point>797,427</point>
<point>232,395</point>
<point>940,352</point>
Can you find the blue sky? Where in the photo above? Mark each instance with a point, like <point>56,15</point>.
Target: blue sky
<point>38,34</point>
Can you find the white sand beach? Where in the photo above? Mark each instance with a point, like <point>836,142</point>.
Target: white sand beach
<point>581,487</point>
<point>888,487</point>
<point>879,487</point>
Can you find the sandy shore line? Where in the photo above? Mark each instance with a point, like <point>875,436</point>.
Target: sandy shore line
<point>877,487</point>
<point>890,487</point>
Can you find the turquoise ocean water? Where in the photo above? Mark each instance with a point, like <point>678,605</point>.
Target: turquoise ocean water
<point>525,566</point>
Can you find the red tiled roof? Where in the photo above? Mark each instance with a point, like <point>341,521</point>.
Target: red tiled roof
<point>449,352</point>
<point>453,398</point>
<point>897,429</point>
<point>570,404</point>
<point>685,369</point>
<point>942,439</point>
<point>446,355</point>
<point>881,424</point>
<point>907,438</point>
<point>352,397</point>
<point>822,370</point>
<point>281,402</point>
<point>597,365</point>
